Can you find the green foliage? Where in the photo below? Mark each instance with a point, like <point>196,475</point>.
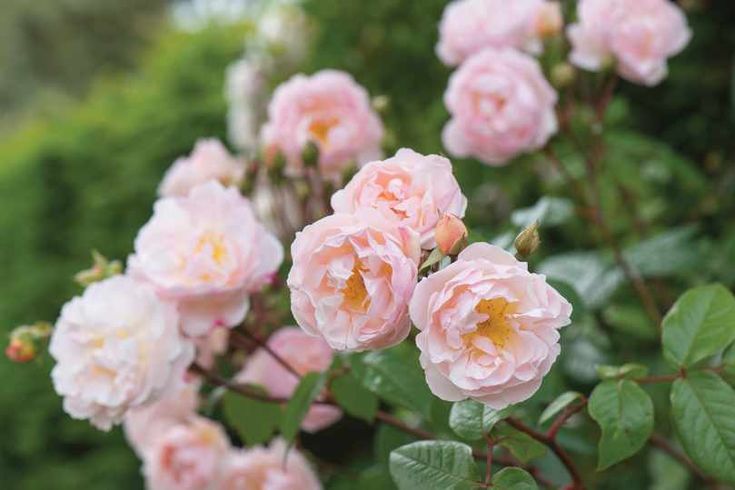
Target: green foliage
<point>354,397</point>
<point>625,414</point>
<point>702,407</point>
<point>309,388</point>
<point>522,446</point>
<point>471,420</point>
<point>513,479</point>
<point>434,465</point>
<point>255,421</point>
<point>560,403</point>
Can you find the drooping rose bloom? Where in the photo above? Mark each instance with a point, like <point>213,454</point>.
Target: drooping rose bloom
<point>209,160</point>
<point>501,105</point>
<point>144,425</point>
<point>303,352</point>
<point>208,252</point>
<point>187,456</point>
<point>352,278</point>
<point>409,188</point>
<point>469,26</point>
<point>330,110</point>
<point>263,468</point>
<point>489,328</point>
<point>116,347</point>
<point>638,35</point>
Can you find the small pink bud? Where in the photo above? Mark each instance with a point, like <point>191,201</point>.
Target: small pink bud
<point>20,350</point>
<point>450,234</point>
<point>549,20</point>
<point>26,340</point>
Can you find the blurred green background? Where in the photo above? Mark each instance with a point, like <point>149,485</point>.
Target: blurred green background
<point>97,98</point>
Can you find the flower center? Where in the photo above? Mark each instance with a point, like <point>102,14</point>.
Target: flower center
<point>212,244</point>
<point>354,292</point>
<point>320,128</point>
<point>497,327</point>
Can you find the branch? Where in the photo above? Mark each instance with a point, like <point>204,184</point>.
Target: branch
<point>664,445</point>
<point>563,417</point>
<point>243,334</point>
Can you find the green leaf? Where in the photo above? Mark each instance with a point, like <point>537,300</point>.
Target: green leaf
<point>594,278</point>
<point>513,479</point>
<point>700,324</point>
<point>395,375</point>
<point>434,257</point>
<point>356,400</point>
<point>669,253</point>
<point>471,420</point>
<point>625,414</point>
<point>254,420</point>
<point>310,386</point>
<point>387,439</point>
<point>702,408</point>
<point>434,465</point>
<point>626,371</point>
<point>562,402</point>
<point>520,444</point>
<point>548,211</point>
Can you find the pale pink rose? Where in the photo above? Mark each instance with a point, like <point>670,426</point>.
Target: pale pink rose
<point>352,278</point>
<point>207,251</point>
<point>268,468</point>
<point>330,110</point>
<point>489,328</point>
<point>638,35</point>
<point>209,160</point>
<point>470,26</point>
<point>144,425</point>
<point>409,188</point>
<point>116,347</point>
<point>305,354</point>
<point>187,456</point>
<point>501,105</point>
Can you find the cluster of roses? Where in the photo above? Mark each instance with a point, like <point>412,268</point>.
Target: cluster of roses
<point>500,102</point>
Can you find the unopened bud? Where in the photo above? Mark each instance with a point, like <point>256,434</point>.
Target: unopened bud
<point>450,234</point>
<point>310,154</point>
<point>381,103</point>
<point>527,241</point>
<point>102,268</point>
<point>549,20</point>
<point>25,341</point>
<point>563,75</point>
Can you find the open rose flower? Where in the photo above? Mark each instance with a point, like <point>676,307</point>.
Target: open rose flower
<point>409,188</point>
<point>469,26</point>
<point>501,105</point>
<point>208,252</point>
<point>187,456</point>
<point>144,425</point>
<point>352,278</point>
<point>116,347</point>
<point>489,328</point>
<point>330,110</point>
<point>210,160</point>
<point>638,35</point>
<point>268,468</point>
<point>305,354</point>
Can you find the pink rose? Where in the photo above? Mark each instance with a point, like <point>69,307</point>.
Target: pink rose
<point>501,105</point>
<point>411,189</point>
<point>639,35</point>
<point>305,354</point>
<point>116,347</point>
<point>187,456</point>
<point>352,278</point>
<point>470,26</point>
<point>208,252</point>
<point>271,468</point>
<point>144,425</point>
<point>210,160</point>
<point>330,110</point>
<point>489,328</point>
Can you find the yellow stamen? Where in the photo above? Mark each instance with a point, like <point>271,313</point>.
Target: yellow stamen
<point>355,294</point>
<point>215,244</point>
<point>497,327</point>
<point>320,128</point>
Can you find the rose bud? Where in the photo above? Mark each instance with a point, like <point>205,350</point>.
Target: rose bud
<point>527,241</point>
<point>548,21</point>
<point>102,268</point>
<point>450,234</point>
<point>25,341</point>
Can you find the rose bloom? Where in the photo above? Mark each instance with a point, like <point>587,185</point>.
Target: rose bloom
<point>410,189</point>
<point>501,105</point>
<point>144,425</point>
<point>116,347</point>
<point>639,35</point>
<point>352,278</point>
<point>187,456</point>
<point>208,252</point>
<point>305,354</point>
<point>210,160</point>
<point>330,110</point>
<point>489,328</point>
<point>469,26</point>
<point>268,468</point>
